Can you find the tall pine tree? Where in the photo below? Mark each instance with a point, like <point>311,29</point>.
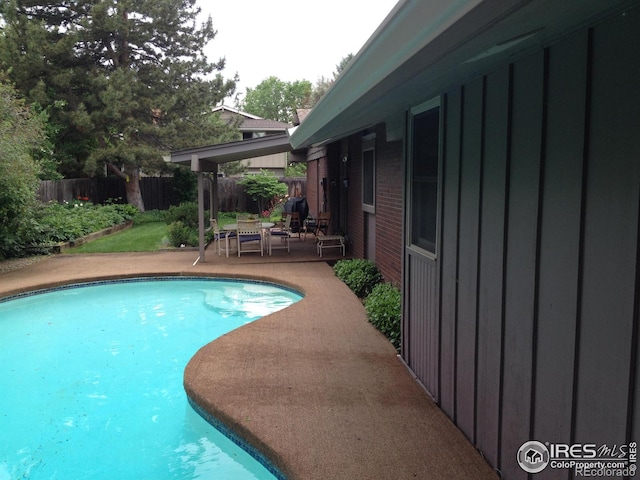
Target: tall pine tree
<point>124,81</point>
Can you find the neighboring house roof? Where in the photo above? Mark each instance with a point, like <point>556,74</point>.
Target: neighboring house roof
<point>424,47</point>
<point>222,109</point>
<point>263,125</point>
<point>250,122</point>
<point>300,115</point>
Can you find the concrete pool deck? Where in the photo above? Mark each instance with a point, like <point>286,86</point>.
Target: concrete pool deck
<point>314,387</point>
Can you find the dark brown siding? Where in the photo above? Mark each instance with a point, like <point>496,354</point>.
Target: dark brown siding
<point>520,257</point>
<point>448,256</point>
<point>353,148</point>
<point>469,229</point>
<point>491,266</point>
<point>560,226</point>
<point>610,236</point>
<point>537,289</point>
<point>314,191</point>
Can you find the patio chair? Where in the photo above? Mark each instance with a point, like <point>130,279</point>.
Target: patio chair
<point>283,233</point>
<point>249,237</point>
<point>220,236</point>
<point>322,223</point>
<point>295,225</point>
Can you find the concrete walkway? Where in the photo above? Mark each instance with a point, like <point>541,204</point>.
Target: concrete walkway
<point>314,387</point>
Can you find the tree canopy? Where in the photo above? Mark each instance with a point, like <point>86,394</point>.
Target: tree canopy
<point>123,81</point>
<point>323,84</point>
<point>277,100</point>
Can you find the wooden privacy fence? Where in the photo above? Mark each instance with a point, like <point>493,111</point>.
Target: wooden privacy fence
<point>158,193</point>
<point>233,198</point>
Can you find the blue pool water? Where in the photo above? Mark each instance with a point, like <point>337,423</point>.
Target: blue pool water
<point>91,379</point>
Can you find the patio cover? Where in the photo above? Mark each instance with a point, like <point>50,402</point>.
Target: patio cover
<point>206,160</point>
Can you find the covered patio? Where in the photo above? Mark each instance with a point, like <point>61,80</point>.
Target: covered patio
<point>302,250</point>
<point>204,162</point>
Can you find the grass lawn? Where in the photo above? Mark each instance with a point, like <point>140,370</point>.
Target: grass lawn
<point>143,237</point>
<point>139,238</point>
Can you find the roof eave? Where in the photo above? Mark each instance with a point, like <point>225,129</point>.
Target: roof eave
<point>408,28</point>
<point>424,48</point>
<point>233,151</point>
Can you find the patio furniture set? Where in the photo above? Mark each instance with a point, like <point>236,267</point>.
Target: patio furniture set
<point>250,234</point>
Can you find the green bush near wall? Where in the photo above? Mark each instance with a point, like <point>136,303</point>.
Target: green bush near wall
<point>382,301</point>
<point>383,306</point>
<point>358,274</point>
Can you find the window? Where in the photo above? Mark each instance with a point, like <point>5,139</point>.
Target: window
<point>424,164</point>
<point>369,174</point>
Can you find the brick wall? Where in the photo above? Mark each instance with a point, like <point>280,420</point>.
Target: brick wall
<point>345,203</point>
<point>389,208</point>
<point>389,203</point>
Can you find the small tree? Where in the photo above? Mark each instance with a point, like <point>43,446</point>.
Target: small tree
<point>296,170</point>
<point>265,189</point>
<point>232,168</point>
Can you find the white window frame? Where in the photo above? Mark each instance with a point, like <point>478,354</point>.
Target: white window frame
<point>415,111</point>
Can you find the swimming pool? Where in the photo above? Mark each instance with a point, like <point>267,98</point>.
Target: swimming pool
<point>91,379</point>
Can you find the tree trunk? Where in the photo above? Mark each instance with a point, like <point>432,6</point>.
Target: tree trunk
<point>131,177</point>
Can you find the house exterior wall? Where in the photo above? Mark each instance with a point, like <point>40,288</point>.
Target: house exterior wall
<point>352,148</point>
<point>317,170</point>
<point>389,208</point>
<point>313,186</point>
<point>388,199</point>
<point>525,326</point>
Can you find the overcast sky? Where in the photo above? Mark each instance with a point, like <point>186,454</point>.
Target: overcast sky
<point>290,39</point>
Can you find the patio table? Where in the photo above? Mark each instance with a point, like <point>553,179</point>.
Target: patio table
<point>233,227</point>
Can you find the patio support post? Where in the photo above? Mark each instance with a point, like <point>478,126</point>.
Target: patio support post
<point>195,166</point>
<point>213,193</point>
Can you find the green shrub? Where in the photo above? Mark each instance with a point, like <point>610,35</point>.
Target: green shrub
<point>182,235</point>
<point>22,134</point>
<point>52,223</point>
<point>358,274</point>
<point>186,212</point>
<point>383,306</point>
<point>150,216</point>
<point>127,210</point>
<point>60,223</point>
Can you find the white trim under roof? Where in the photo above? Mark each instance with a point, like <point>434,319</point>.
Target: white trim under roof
<point>233,151</point>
